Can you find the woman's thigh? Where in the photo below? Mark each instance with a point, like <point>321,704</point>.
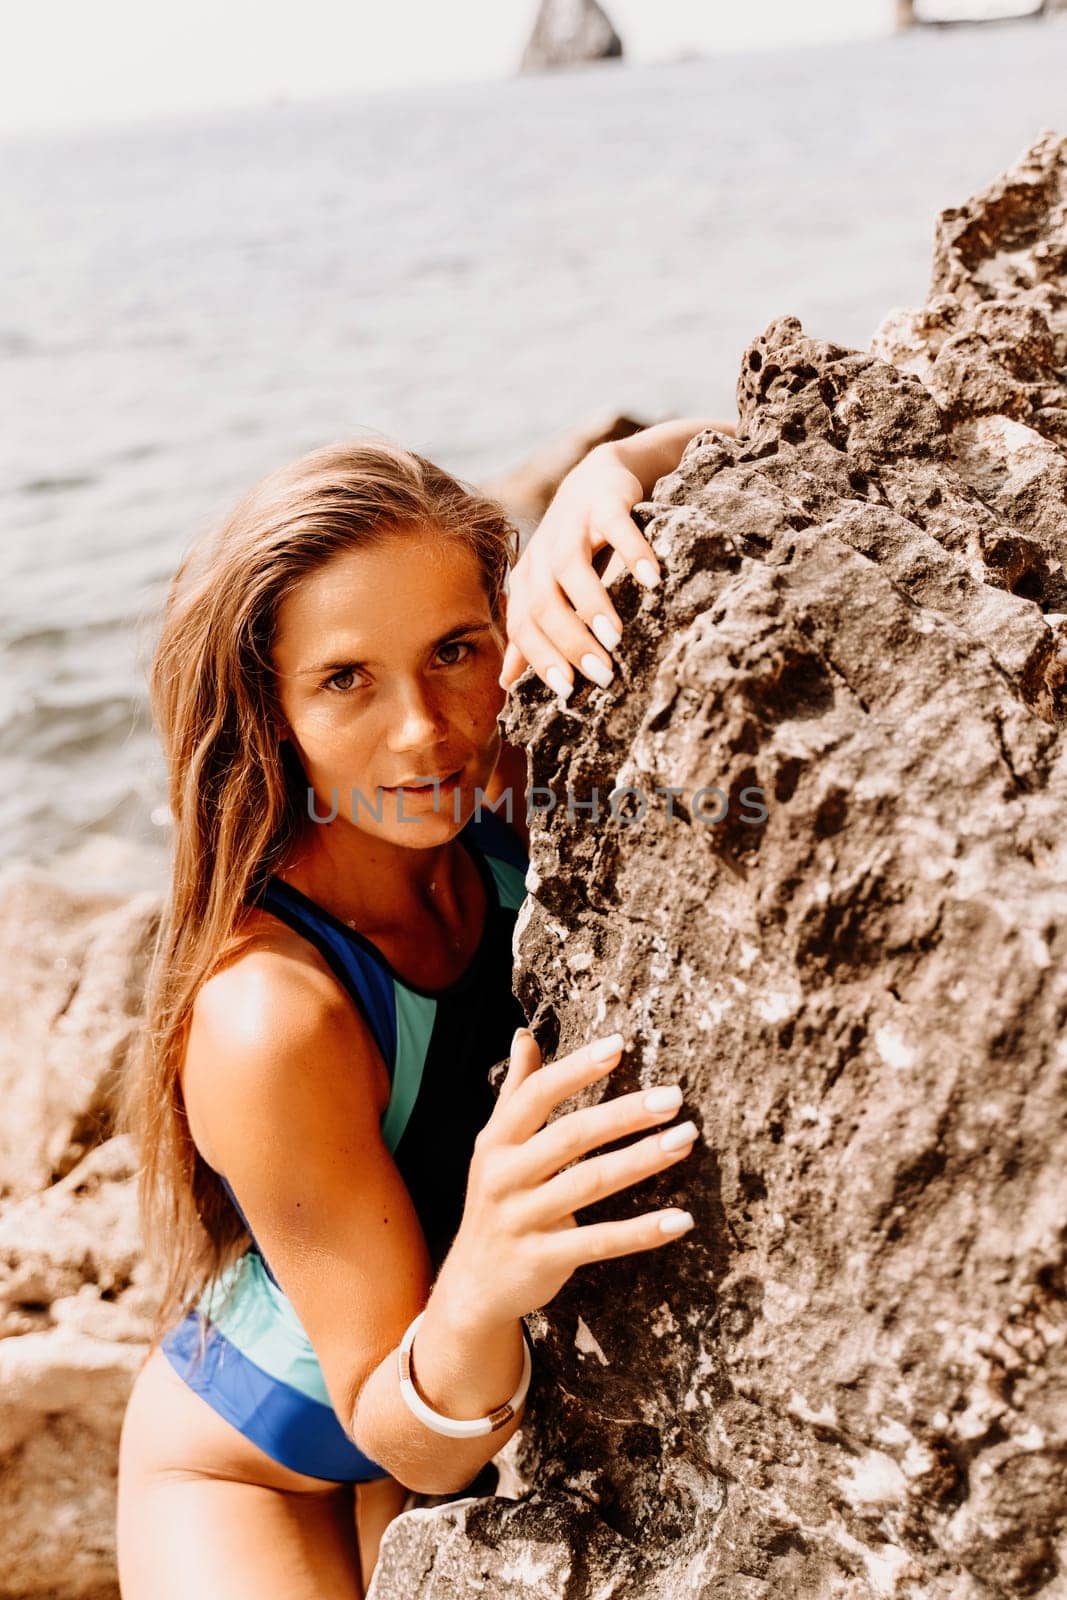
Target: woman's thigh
<point>202,1511</point>
<point>377,1503</point>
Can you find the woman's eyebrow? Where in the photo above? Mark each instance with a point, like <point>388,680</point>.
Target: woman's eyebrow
<point>477,626</point>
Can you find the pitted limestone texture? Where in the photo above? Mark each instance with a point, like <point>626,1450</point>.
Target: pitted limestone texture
<point>848,1380</point>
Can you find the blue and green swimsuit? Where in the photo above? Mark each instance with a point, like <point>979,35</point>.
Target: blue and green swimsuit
<point>259,1369</point>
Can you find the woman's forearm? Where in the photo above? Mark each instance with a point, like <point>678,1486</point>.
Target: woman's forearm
<point>463,1367</point>
<point>656,451</point>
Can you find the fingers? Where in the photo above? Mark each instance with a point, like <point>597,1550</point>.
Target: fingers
<point>565,1249</point>
<point>590,599</point>
<point>575,644</point>
<point>514,665</point>
<point>590,1127</point>
<point>556,641</point>
<point>528,1107</point>
<point>525,1059</point>
<point>633,548</point>
<point>589,1181</point>
<point>562,620</point>
<point>550,664</point>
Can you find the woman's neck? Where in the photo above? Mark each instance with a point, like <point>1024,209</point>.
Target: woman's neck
<point>375,885</point>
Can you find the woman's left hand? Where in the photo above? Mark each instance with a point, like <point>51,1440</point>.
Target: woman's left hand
<point>559,614</point>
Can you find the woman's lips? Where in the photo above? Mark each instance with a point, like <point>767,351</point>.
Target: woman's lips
<point>444,786</point>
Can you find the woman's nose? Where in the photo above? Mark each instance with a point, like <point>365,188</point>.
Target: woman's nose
<point>416,714</point>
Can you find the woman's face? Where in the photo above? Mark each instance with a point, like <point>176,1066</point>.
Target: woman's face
<point>387,670</point>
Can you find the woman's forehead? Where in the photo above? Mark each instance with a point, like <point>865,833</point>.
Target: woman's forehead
<point>423,560</point>
<point>395,590</point>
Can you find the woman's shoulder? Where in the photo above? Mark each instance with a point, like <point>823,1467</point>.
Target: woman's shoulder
<point>268,1004</point>
<point>266,961</point>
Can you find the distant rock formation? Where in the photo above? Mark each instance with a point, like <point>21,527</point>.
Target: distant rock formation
<point>73,965</point>
<point>567,32</point>
<point>847,1383</point>
<point>908,14</point>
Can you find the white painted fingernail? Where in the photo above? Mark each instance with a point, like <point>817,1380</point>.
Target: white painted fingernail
<point>601,1049</point>
<point>607,634</point>
<point>646,574</point>
<point>674,1138</point>
<point>558,683</point>
<point>668,1098</point>
<point>594,668</point>
<point>676,1222</point>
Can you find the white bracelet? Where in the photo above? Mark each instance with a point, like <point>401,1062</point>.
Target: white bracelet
<point>467,1428</point>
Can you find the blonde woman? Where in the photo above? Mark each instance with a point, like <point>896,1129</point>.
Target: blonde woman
<point>323,1161</point>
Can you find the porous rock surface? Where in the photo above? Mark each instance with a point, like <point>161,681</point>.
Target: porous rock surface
<point>72,964</point>
<point>849,1379</point>
<point>75,1304</point>
<point>75,1297</point>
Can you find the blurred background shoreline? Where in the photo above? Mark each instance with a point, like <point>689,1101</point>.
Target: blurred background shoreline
<point>472,269</point>
<point>119,62</point>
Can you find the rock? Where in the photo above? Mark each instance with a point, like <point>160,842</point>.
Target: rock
<point>552,1541</point>
<point>931,14</point>
<point>75,1301</point>
<point>75,1305</point>
<point>848,1380</point>
<point>992,338</point>
<point>525,491</point>
<point>568,32</point>
<point>76,961</point>
<point>113,864</point>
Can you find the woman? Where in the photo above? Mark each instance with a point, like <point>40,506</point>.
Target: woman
<point>325,1169</point>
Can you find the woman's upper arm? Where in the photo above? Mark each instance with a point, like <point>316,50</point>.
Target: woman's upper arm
<point>282,1071</point>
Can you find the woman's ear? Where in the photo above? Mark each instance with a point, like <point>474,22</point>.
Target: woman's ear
<point>501,617</point>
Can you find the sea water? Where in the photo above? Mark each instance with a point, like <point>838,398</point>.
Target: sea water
<point>185,305</point>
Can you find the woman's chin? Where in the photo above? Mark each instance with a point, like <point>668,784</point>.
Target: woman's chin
<point>419,817</point>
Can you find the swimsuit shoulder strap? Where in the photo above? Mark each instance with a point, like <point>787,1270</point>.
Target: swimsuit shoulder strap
<point>357,964</point>
<point>362,975</point>
<point>364,979</point>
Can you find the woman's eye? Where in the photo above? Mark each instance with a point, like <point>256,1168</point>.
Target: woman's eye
<point>332,683</point>
<point>456,644</point>
<point>349,672</point>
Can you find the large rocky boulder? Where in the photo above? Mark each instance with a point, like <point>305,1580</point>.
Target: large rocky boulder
<point>75,1306</point>
<point>75,1300</point>
<point>72,964</point>
<point>569,32</point>
<point>849,1380</point>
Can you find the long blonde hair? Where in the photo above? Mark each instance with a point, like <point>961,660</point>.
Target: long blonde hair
<point>236,796</point>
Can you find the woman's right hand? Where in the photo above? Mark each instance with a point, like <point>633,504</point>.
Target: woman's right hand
<point>518,1241</point>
